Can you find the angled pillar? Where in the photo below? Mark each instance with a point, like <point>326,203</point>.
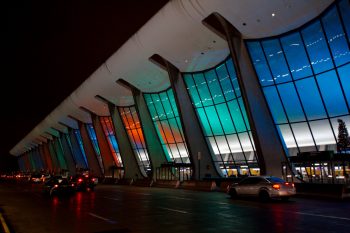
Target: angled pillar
<point>270,149</point>
<point>106,154</point>
<point>91,156</point>
<point>46,152</point>
<point>43,158</point>
<point>59,154</point>
<point>200,153</point>
<point>130,159</point>
<point>154,147</point>
<point>55,163</point>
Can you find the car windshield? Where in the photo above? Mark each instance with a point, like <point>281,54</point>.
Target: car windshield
<point>275,179</point>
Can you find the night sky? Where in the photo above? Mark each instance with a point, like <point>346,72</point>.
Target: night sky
<point>51,47</point>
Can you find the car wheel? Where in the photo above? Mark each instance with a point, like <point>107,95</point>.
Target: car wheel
<point>284,198</point>
<point>233,193</point>
<point>264,196</point>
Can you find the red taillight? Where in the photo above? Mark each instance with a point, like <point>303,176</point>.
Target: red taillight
<point>80,180</point>
<point>93,179</point>
<point>56,185</point>
<point>293,184</point>
<point>276,186</point>
<point>72,185</point>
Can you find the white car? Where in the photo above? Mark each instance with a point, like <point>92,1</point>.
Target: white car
<point>264,187</point>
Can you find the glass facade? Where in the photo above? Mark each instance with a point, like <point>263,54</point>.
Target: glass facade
<point>305,77</point>
<point>133,127</point>
<point>93,138</point>
<point>81,145</point>
<point>217,99</point>
<point>164,113</point>
<point>108,129</point>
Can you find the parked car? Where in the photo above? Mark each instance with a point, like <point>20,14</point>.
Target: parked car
<point>263,187</point>
<point>58,185</point>
<point>84,182</point>
<point>35,178</point>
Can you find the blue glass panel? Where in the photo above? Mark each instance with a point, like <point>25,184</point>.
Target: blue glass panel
<point>310,99</point>
<point>296,56</point>
<point>332,94</point>
<point>225,118</point>
<point>236,116</point>
<point>291,102</point>
<point>260,64</point>
<point>232,72</point>
<point>275,104</point>
<point>214,86</point>
<point>214,120</point>
<point>276,60</point>
<point>336,37</point>
<point>344,6</point>
<point>203,89</point>
<point>225,82</point>
<point>203,119</point>
<point>191,86</point>
<point>316,46</point>
<point>344,74</point>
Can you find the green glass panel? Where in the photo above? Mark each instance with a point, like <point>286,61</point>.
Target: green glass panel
<point>159,108</point>
<point>191,86</point>
<point>203,119</point>
<point>232,72</point>
<point>214,120</point>
<point>166,104</point>
<point>225,118</point>
<point>214,86</point>
<point>244,112</point>
<point>203,89</point>
<point>225,82</point>
<point>172,102</point>
<point>236,116</point>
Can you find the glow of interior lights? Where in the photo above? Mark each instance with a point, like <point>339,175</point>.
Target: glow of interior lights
<point>273,14</point>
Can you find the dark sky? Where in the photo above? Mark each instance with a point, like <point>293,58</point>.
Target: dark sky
<point>51,47</point>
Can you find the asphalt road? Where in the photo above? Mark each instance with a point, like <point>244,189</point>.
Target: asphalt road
<point>119,209</point>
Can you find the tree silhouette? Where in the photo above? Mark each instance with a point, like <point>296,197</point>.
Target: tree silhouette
<point>343,137</point>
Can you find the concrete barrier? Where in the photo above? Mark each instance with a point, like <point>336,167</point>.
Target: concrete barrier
<point>199,185</point>
<point>166,183</point>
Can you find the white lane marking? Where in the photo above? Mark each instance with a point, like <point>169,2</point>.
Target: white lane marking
<point>102,218</point>
<point>145,194</point>
<point>181,198</point>
<point>4,225</point>
<point>179,211</point>
<point>222,203</point>
<point>324,216</point>
<point>227,215</point>
<point>111,198</point>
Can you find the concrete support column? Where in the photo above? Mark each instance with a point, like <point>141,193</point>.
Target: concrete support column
<point>154,147</point>
<point>67,153</point>
<point>56,164</point>
<point>200,153</point>
<point>78,154</point>
<point>48,157</point>
<point>130,158</point>
<point>89,151</point>
<point>269,147</point>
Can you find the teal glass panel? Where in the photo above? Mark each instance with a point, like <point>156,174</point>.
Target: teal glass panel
<point>168,126</point>
<point>296,55</point>
<point>192,90</point>
<point>336,37</point>
<point>236,116</point>
<point>233,77</point>
<point>316,46</point>
<point>310,98</point>
<point>344,6</point>
<point>332,94</point>
<point>225,82</point>
<point>260,64</point>
<point>275,104</point>
<point>204,120</point>
<point>214,86</point>
<point>225,118</point>
<point>214,120</point>
<point>276,60</point>
<point>203,89</point>
<point>291,102</point>
<point>344,74</point>
<point>244,112</point>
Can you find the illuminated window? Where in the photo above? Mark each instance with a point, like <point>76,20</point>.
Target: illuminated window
<point>112,142</point>
<point>164,113</point>
<point>133,128</point>
<point>217,99</point>
<point>305,77</point>
<point>81,145</point>
<point>93,138</point>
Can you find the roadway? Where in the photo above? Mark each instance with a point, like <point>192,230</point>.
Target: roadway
<point>119,209</point>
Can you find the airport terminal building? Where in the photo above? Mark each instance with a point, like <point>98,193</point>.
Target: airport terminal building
<point>211,89</point>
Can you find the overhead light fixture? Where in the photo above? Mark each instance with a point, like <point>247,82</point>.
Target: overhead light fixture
<point>273,14</point>
<point>186,61</point>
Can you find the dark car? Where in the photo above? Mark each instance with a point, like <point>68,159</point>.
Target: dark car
<point>264,187</point>
<point>84,182</point>
<point>58,185</point>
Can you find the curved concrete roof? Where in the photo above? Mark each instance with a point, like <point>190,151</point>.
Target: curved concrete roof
<point>176,33</point>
